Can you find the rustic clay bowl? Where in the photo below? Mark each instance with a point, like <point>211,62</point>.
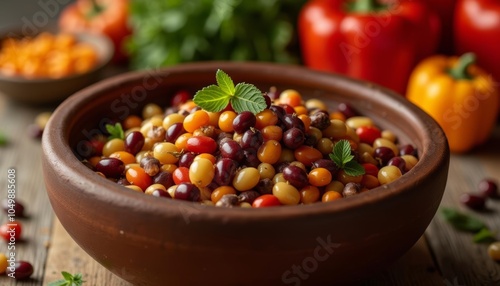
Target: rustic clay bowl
<point>36,91</point>
<point>152,241</point>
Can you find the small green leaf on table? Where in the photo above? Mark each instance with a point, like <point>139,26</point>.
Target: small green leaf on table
<point>462,221</point>
<point>69,280</point>
<point>484,236</point>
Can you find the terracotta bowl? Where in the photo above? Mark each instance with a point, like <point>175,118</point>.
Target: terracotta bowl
<point>151,241</point>
<point>36,91</point>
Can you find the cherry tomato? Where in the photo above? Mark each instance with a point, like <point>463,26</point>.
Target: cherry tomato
<point>368,134</point>
<point>181,175</point>
<point>108,17</point>
<point>201,172</point>
<point>11,230</point>
<point>370,169</point>
<point>97,145</point>
<point>180,97</point>
<point>307,155</point>
<point>201,144</point>
<point>137,176</point>
<point>290,97</point>
<point>22,270</point>
<point>196,120</point>
<point>266,201</point>
<point>288,108</point>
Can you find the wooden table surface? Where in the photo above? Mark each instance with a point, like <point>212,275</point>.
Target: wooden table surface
<point>443,256</point>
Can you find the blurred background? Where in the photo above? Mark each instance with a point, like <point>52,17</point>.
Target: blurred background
<point>19,12</point>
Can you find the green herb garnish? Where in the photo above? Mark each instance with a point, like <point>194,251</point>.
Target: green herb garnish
<point>462,221</point>
<point>212,30</point>
<point>115,131</point>
<point>468,223</point>
<point>342,157</point>
<point>69,280</point>
<point>242,97</point>
<point>3,139</point>
<point>484,236</point>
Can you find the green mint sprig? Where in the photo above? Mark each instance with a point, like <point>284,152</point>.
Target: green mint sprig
<point>484,236</point>
<point>464,222</point>
<point>3,139</point>
<point>342,157</point>
<point>242,97</point>
<point>69,280</point>
<point>115,131</point>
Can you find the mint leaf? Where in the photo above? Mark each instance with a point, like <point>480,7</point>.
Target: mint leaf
<point>3,139</point>
<point>337,160</point>
<point>242,97</point>
<point>353,168</point>
<point>212,98</point>
<point>225,82</point>
<point>337,154</point>
<point>484,236</point>
<point>69,280</point>
<point>342,157</point>
<point>248,97</point>
<point>78,279</point>
<point>115,131</point>
<point>346,151</point>
<point>67,275</point>
<point>61,282</point>
<point>462,221</point>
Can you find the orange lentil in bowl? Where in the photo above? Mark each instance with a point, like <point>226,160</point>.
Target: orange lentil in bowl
<point>46,56</point>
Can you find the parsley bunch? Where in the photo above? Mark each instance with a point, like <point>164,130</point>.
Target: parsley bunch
<point>171,32</point>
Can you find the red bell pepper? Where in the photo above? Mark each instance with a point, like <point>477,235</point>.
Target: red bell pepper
<point>445,10</point>
<point>106,17</point>
<point>477,30</point>
<point>368,39</point>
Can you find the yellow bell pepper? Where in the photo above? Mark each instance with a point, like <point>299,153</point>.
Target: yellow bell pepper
<point>459,95</point>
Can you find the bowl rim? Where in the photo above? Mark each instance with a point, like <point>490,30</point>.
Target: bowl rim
<point>55,144</point>
<point>104,51</point>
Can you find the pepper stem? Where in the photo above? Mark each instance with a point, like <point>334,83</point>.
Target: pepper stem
<point>366,6</point>
<point>95,10</point>
<point>460,70</point>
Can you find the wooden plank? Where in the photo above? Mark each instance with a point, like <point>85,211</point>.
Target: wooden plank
<point>66,255</point>
<point>461,261</point>
<point>415,268</point>
<point>23,154</point>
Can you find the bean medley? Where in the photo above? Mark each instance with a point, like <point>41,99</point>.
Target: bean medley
<point>281,155</point>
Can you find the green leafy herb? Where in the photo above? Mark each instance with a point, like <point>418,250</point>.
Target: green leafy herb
<point>342,157</point>
<point>242,97</point>
<point>462,221</point>
<point>69,280</point>
<point>470,224</point>
<point>115,131</point>
<point>3,139</point>
<point>171,32</point>
<point>484,236</point>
